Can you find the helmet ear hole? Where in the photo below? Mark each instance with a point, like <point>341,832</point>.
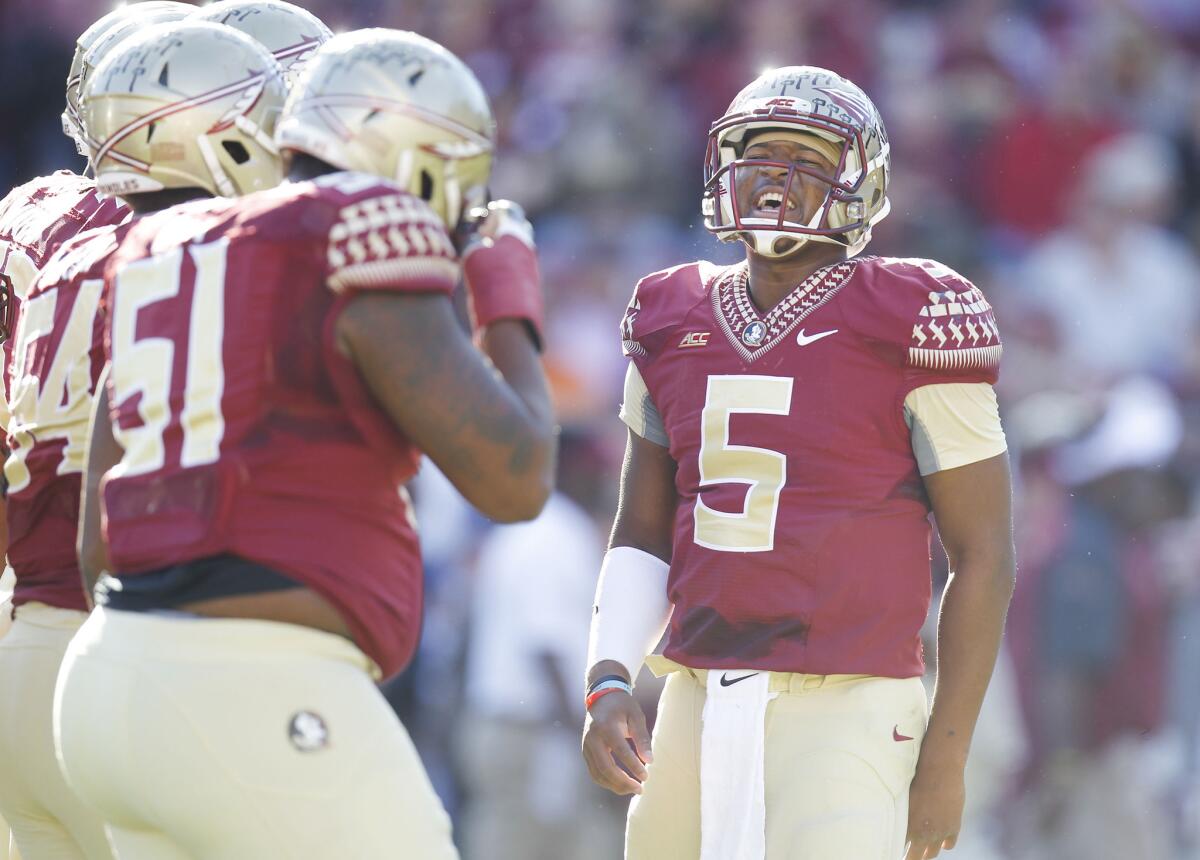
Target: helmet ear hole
<point>426,186</point>
<point>237,151</point>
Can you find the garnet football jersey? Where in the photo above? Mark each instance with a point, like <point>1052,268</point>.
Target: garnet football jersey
<point>802,538</point>
<point>245,430</point>
<point>57,358</point>
<point>49,378</point>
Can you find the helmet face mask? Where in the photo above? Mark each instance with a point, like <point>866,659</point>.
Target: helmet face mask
<point>826,108</point>
<point>186,105</point>
<point>399,106</point>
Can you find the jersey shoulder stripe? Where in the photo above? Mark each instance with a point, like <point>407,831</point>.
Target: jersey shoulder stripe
<point>387,238</point>
<point>936,318</point>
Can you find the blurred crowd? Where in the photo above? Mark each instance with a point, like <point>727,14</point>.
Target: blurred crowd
<point>1047,149</point>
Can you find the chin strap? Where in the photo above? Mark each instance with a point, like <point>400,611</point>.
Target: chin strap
<point>753,238</point>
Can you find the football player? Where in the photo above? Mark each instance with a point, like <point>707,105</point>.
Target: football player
<point>792,421</point>
<point>278,364</point>
<point>35,220</point>
<point>290,33</point>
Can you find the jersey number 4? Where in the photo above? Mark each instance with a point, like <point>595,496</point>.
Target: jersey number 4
<point>143,366</point>
<point>51,382</point>
<point>763,470</point>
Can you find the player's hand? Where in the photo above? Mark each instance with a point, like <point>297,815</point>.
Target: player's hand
<point>935,808</point>
<point>501,269</point>
<point>616,743</point>
<point>499,218</point>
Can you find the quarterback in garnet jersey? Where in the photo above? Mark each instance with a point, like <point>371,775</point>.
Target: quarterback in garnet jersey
<point>277,366</point>
<point>793,420</point>
<point>822,386</point>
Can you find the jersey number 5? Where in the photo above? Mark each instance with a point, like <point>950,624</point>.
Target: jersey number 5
<point>763,470</point>
<point>143,366</point>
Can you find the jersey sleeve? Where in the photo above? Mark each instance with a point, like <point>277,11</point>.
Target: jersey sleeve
<point>659,304</point>
<point>953,424</point>
<point>106,212</point>
<point>955,331</point>
<point>386,239</point>
<point>938,325</point>
<point>639,412</point>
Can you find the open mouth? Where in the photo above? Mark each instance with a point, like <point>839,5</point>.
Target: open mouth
<point>770,201</point>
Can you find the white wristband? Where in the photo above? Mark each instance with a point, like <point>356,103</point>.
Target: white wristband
<point>631,610</point>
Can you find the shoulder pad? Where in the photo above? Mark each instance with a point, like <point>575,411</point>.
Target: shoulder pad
<point>937,318</point>
<point>660,302</point>
<point>45,211</point>
<point>378,232</point>
<point>83,255</point>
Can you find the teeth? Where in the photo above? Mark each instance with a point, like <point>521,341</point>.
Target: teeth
<point>769,199</point>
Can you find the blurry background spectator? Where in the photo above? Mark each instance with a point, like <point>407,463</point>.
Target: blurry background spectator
<point>1047,149</point>
<point>531,602</point>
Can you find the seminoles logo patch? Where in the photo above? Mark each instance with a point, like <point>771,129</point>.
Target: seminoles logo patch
<point>308,732</point>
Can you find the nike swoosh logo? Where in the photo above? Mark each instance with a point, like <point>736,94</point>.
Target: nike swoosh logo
<point>805,339</point>
<point>896,736</point>
<point>726,681</point>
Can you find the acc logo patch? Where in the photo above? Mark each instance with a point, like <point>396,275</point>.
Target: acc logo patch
<point>694,338</point>
<point>308,732</point>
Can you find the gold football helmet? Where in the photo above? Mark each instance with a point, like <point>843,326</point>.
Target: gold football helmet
<point>841,121</point>
<point>185,105</point>
<point>400,106</point>
<point>105,34</point>
<point>290,33</point>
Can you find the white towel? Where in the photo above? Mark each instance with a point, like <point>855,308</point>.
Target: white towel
<point>733,809</point>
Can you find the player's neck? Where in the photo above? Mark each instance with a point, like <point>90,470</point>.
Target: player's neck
<point>155,201</point>
<point>773,278</point>
<point>303,166</point>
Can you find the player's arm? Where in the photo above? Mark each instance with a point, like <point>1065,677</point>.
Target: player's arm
<point>973,507</point>
<point>103,453</point>
<point>483,415</point>
<point>632,606</point>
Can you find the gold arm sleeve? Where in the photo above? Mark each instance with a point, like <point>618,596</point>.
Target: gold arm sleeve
<point>953,424</point>
<point>639,412</point>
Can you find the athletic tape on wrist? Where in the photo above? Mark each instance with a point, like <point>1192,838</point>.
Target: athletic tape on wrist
<point>631,609</point>
<point>503,282</point>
